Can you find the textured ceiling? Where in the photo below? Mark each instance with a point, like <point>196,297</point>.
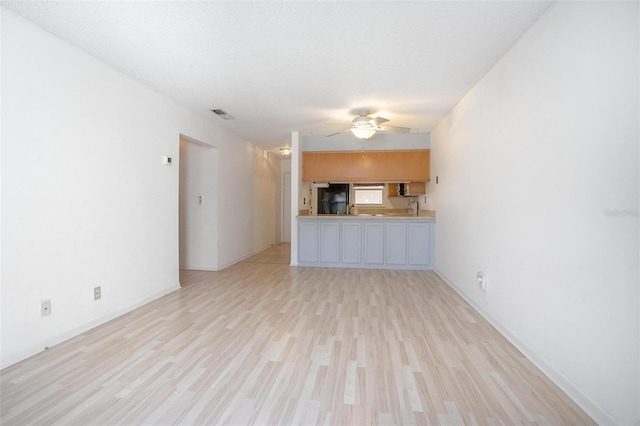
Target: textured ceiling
<point>282,66</point>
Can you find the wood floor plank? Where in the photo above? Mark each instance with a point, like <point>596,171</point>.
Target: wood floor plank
<point>264,343</point>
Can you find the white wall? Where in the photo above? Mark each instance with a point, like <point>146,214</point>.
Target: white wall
<point>381,142</point>
<point>1,186</point>
<point>264,206</point>
<point>296,157</point>
<point>248,198</point>
<point>86,200</point>
<point>531,163</point>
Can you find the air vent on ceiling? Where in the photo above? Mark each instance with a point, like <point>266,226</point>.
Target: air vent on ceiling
<point>222,114</point>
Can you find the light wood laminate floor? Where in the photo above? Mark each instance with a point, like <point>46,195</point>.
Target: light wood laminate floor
<point>264,343</point>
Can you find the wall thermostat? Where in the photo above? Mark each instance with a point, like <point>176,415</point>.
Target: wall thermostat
<point>166,160</point>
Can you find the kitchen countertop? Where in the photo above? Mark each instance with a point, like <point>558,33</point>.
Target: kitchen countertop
<point>422,215</point>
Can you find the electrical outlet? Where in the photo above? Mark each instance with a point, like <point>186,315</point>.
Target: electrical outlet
<point>45,308</point>
<point>97,293</point>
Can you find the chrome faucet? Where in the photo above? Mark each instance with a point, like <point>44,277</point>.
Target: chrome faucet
<point>413,205</point>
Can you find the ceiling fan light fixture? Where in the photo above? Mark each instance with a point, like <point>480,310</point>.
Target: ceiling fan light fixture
<point>285,151</point>
<point>363,133</point>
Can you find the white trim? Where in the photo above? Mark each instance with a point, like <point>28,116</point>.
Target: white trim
<point>231,263</point>
<point>198,268</point>
<point>240,259</point>
<point>583,401</point>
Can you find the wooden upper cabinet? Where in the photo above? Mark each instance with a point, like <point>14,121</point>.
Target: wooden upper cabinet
<point>393,190</point>
<point>414,188</point>
<point>367,166</point>
<point>410,189</point>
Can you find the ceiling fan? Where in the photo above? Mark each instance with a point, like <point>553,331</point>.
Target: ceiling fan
<point>365,127</point>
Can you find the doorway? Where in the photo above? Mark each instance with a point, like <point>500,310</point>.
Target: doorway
<point>198,201</point>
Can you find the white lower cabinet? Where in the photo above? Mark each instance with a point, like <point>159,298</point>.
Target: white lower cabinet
<point>420,243</point>
<point>351,242</point>
<point>366,243</point>
<point>396,244</point>
<point>308,242</point>
<point>330,242</point>
<point>373,243</point>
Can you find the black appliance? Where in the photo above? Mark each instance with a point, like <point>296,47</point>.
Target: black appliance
<point>334,199</point>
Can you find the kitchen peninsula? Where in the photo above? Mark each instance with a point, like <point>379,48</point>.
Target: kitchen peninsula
<point>375,241</point>
<point>390,231</point>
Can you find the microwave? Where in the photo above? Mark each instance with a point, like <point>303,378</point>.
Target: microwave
<point>334,199</point>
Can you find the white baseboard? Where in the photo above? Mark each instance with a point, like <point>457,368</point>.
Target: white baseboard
<point>199,268</point>
<point>596,412</point>
<point>69,334</point>
<point>240,259</point>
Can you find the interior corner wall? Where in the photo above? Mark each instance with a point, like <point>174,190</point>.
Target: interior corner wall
<point>266,204</point>
<point>249,217</point>
<point>86,199</point>
<point>538,188</point>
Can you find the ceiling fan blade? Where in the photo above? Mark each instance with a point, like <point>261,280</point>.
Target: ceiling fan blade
<point>337,133</point>
<point>376,121</point>
<point>393,129</point>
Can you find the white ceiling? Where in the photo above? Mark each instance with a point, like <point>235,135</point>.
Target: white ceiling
<point>282,66</point>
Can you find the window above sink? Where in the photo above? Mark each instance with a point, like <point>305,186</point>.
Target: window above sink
<point>368,195</point>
